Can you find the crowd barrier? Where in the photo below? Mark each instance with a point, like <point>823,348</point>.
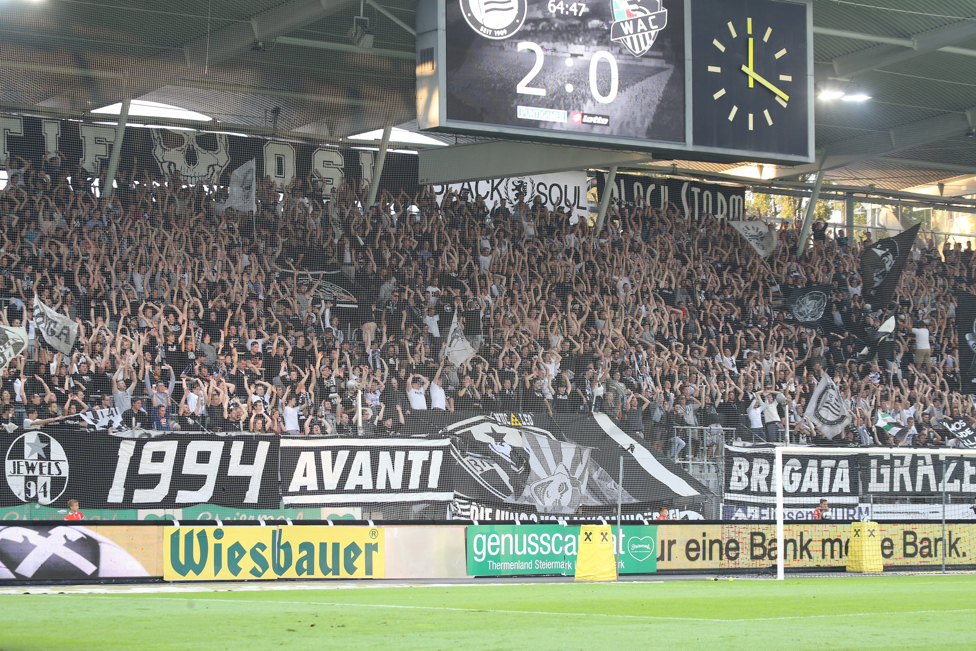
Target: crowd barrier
<point>262,550</point>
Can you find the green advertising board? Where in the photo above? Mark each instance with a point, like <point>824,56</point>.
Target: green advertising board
<point>505,549</point>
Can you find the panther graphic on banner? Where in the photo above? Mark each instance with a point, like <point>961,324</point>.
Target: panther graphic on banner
<point>522,464</point>
<point>36,468</point>
<point>637,23</point>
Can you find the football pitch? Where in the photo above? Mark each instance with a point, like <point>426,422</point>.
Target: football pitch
<point>925,611</point>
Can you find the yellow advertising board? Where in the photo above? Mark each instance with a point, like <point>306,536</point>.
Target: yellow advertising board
<point>248,553</point>
<point>747,545</point>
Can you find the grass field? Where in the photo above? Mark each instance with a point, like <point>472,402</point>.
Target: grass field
<point>807,613</point>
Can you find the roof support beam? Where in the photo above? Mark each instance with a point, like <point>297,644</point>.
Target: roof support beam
<point>874,38</point>
<point>873,145</point>
<point>142,75</point>
<point>886,54</point>
<point>383,10</point>
<point>503,159</point>
<point>344,47</point>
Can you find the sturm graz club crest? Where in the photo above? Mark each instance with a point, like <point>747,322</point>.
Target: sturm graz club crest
<point>495,19</point>
<point>830,406</point>
<point>36,468</point>
<point>636,23</point>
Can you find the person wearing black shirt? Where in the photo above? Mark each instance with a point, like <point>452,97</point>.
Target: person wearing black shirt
<point>562,401</point>
<point>136,416</point>
<point>534,400</point>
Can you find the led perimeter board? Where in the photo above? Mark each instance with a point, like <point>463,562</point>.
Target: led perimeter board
<point>716,79</point>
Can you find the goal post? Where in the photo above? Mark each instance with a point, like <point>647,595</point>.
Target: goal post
<point>946,470</point>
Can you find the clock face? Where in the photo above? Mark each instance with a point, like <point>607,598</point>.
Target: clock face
<point>750,84</point>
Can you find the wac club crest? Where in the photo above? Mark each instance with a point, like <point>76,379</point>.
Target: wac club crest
<point>636,24</point>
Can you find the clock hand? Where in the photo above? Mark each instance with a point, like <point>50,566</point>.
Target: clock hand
<point>753,75</point>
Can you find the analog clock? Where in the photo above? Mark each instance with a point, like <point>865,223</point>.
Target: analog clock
<point>750,81</point>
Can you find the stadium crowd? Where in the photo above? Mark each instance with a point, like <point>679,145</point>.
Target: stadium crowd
<point>197,318</point>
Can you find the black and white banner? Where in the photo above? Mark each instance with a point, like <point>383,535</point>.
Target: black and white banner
<point>104,472</point>
<point>827,409</point>
<point>960,430</point>
<point>364,471</point>
<point>882,264</point>
<point>843,478</point>
<point>59,331</point>
<point>13,341</point>
<point>809,305</point>
<point>693,199</point>
<point>521,462</point>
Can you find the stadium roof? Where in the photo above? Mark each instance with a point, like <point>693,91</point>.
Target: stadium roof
<point>289,68</point>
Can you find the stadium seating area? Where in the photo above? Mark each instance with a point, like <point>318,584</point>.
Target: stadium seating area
<point>196,318</point>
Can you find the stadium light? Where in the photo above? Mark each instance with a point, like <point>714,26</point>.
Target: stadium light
<point>400,136</point>
<point>831,94</point>
<point>142,108</point>
<point>855,97</point>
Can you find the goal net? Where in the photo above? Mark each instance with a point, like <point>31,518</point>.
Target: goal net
<point>870,510</point>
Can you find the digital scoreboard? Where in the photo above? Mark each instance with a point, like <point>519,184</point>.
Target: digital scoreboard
<point>720,79</point>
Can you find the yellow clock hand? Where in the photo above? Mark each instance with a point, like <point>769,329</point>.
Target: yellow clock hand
<point>753,75</point>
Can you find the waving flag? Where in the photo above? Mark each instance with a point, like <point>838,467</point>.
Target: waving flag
<point>827,409</point>
<point>882,264</point>
<point>758,234</point>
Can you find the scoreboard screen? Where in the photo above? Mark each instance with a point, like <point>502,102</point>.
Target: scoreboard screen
<point>618,73</point>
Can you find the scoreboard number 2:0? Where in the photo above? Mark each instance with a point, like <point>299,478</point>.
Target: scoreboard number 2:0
<point>524,87</point>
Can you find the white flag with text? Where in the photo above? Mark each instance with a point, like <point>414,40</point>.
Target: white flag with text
<point>758,234</point>
<point>59,331</point>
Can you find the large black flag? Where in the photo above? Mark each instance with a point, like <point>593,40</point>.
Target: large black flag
<point>960,430</point>
<point>882,264</point>
<point>879,342</point>
<point>810,304</point>
<point>966,327</point>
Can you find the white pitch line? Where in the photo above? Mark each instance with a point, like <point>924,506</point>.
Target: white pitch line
<point>550,613</point>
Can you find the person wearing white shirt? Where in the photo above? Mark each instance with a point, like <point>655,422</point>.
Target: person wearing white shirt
<point>290,414</point>
<point>754,412</point>
<point>438,399</point>
<point>923,348</point>
<point>416,392</point>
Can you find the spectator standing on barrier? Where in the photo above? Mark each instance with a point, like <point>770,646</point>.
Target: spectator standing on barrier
<point>73,512</point>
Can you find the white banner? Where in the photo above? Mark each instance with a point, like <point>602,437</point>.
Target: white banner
<point>59,331</point>
<point>240,192</point>
<point>827,409</point>
<point>758,234</point>
<point>554,189</point>
<point>459,349</point>
<point>13,341</point>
